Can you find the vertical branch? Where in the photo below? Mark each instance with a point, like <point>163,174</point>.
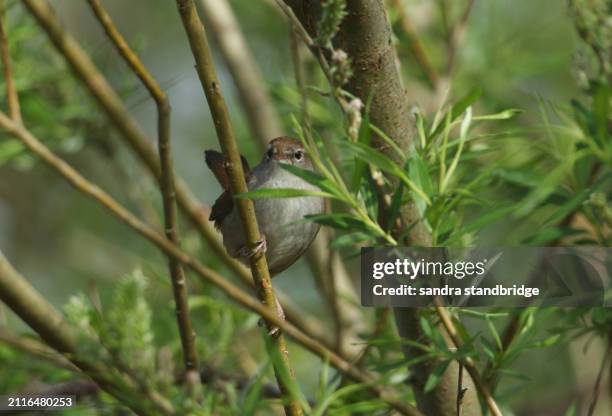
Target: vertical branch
<point>11,92</point>
<point>259,266</point>
<point>259,110</point>
<point>179,284</point>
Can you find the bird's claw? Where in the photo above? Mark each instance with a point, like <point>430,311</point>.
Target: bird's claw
<point>260,247</point>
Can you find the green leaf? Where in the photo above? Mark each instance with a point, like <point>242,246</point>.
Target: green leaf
<point>482,221</point>
<point>547,342</point>
<point>502,115</point>
<point>419,174</point>
<point>488,348</point>
<point>458,108</point>
<point>253,393</point>
<point>350,239</point>
<point>340,221</point>
<point>436,375</point>
<point>394,208</point>
<point>369,196</point>
<point>385,164</point>
<point>268,193</point>
<point>494,334</point>
<point>572,204</point>
<point>315,179</point>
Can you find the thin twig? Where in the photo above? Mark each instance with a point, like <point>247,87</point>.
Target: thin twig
<point>112,105</point>
<point>237,183</point>
<point>249,82</point>
<point>300,75</point>
<point>415,44</point>
<point>236,294</point>
<point>460,390</point>
<point>11,92</point>
<point>467,362</point>
<point>36,349</point>
<point>597,386</point>
<point>316,52</point>
<point>179,284</point>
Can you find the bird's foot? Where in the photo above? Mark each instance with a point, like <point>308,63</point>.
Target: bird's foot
<point>259,248</point>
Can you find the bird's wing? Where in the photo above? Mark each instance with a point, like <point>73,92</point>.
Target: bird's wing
<point>221,208</point>
<point>224,204</point>
<point>216,163</point>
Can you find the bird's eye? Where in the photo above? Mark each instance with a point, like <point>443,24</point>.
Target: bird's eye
<point>298,155</point>
<point>270,153</point>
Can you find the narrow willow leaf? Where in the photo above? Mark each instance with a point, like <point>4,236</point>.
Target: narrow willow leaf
<point>320,410</point>
<point>482,221</point>
<point>572,204</point>
<point>465,125</point>
<point>268,193</point>
<point>341,221</point>
<point>249,405</point>
<point>458,108</point>
<point>502,115</point>
<point>435,376</point>
<point>349,240</point>
<point>315,179</point>
<point>389,141</point>
<point>419,174</point>
<point>379,160</point>
<point>369,196</point>
<point>394,208</point>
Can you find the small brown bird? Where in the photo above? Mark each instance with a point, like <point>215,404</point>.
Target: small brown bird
<point>286,235</point>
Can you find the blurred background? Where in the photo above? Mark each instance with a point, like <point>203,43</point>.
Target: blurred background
<point>523,54</point>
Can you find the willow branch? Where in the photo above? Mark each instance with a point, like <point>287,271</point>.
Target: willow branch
<point>467,362</point>
<point>236,294</point>
<point>11,92</point>
<point>179,285</point>
<point>118,114</point>
<point>36,349</point>
<point>237,184</point>
<point>42,317</point>
<point>259,111</point>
